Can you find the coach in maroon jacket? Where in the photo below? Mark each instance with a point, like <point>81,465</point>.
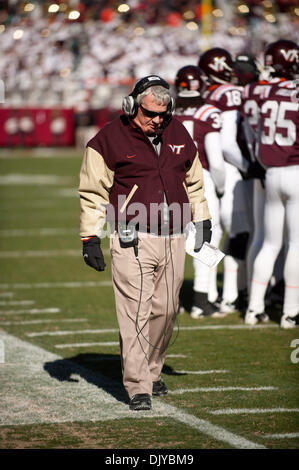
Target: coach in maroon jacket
<point>142,174</point>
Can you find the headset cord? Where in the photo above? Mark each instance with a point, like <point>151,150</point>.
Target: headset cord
<point>175,311</point>
<point>138,329</point>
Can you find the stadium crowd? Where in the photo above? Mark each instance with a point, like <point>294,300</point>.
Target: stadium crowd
<point>49,59</point>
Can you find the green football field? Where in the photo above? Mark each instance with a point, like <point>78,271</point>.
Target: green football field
<point>230,386</point>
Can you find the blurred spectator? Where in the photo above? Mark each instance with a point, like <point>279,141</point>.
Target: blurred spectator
<point>48,59</point>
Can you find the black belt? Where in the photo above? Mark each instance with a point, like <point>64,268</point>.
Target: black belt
<point>159,231</point>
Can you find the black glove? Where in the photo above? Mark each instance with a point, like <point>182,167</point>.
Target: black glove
<point>255,170</point>
<point>203,234</point>
<point>92,253</point>
<point>219,194</point>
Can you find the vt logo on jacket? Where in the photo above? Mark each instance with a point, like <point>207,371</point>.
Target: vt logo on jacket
<point>176,149</point>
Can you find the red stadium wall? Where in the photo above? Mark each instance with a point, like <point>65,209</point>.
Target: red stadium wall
<point>40,127</point>
<point>31,127</point>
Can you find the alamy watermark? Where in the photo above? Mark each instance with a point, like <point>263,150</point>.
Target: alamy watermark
<point>162,218</point>
<point>2,92</point>
<point>2,351</point>
<point>295,353</point>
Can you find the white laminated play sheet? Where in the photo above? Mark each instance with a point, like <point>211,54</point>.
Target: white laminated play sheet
<point>208,254</point>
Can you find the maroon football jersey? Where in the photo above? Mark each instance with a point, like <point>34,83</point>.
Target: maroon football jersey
<point>226,97</point>
<point>249,118</point>
<point>250,101</point>
<point>279,141</point>
<point>200,122</point>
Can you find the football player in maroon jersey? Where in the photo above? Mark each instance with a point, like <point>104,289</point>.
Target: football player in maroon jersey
<point>249,74</point>
<point>279,153</point>
<point>204,124</point>
<point>217,64</point>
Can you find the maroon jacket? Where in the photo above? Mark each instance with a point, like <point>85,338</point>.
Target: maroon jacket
<point>122,167</point>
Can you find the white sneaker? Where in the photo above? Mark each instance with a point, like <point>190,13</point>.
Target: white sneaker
<point>181,309</point>
<point>196,312</point>
<point>288,322</point>
<point>208,310</point>
<point>252,318</point>
<point>228,307</point>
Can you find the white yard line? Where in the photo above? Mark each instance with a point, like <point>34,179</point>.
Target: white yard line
<point>30,311</point>
<point>28,179</point>
<point>71,332</point>
<point>115,330</point>
<point>180,391</point>
<point>201,372</point>
<point>238,411</point>
<point>40,387</point>
<point>176,355</point>
<point>6,294</point>
<point>39,253</point>
<point>36,322</point>
<point>287,435</point>
<point>43,232</point>
<point>56,285</point>
<point>16,302</point>
<point>44,253</point>
<point>86,345</point>
<point>227,327</point>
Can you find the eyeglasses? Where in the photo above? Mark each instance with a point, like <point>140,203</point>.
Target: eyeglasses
<point>152,114</point>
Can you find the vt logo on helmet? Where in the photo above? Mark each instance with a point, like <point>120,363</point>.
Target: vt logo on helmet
<point>291,56</point>
<point>217,64</point>
<point>282,59</point>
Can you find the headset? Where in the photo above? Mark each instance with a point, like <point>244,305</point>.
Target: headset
<point>130,105</point>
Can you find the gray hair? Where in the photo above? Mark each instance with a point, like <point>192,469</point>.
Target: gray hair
<point>161,94</point>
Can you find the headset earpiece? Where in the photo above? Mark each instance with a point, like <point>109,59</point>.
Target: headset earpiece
<point>130,105</point>
<point>171,106</point>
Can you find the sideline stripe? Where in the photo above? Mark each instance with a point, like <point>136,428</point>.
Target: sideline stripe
<point>180,391</point>
<point>56,285</point>
<point>30,311</point>
<point>36,322</point>
<point>216,432</point>
<point>6,294</point>
<point>238,411</point>
<point>287,435</point>
<point>102,397</point>
<point>82,345</point>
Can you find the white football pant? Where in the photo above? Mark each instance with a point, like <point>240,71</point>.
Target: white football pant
<point>205,278</point>
<point>236,217</point>
<point>281,206</point>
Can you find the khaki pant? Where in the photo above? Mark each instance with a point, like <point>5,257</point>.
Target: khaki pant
<point>146,304</point>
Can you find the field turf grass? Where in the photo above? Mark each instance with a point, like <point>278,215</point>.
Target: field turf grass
<point>61,384</point>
